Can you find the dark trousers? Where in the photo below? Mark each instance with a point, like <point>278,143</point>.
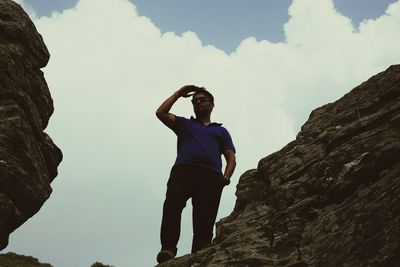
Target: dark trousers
<point>204,186</point>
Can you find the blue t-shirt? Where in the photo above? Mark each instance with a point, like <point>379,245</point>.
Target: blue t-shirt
<point>201,145</point>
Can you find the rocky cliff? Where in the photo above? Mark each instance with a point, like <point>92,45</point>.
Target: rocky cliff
<point>329,198</point>
<point>28,157</point>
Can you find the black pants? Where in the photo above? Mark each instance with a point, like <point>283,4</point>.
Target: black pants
<point>204,186</point>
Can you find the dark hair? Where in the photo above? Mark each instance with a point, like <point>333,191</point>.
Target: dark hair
<point>206,93</point>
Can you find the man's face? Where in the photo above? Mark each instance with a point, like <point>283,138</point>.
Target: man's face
<point>201,104</point>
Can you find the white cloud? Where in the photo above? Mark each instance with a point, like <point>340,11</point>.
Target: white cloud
<point>109,70</point>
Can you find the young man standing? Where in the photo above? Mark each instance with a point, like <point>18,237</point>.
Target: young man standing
<point>197,170</point>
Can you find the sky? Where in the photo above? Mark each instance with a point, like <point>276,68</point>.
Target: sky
<point>268,64</point>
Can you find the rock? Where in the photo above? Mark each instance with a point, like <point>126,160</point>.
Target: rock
<point>28,156</point>
<point>99,264</point>
<point>329,198</point>
<point>13,260</point>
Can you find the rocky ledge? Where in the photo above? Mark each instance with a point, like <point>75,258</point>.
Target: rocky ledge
<point>28,157</point>
<point>14,260</point>
<point>329,198</point>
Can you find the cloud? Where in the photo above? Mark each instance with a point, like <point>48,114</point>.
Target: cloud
<point>109,70</point>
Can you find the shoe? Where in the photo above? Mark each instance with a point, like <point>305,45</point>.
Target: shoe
<point>165,255</point>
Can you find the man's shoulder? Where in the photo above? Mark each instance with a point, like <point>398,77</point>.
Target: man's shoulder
<point>224,131</point>
<point>180,117</point>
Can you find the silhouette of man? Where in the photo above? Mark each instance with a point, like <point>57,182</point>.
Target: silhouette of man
<point>197,171</point>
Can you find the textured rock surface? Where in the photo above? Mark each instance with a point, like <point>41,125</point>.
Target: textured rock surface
<point>329,198</point>
<point>14,260</point>
<point>28,157</point>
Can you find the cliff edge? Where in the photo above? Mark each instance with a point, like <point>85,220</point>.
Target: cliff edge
<point>28,156</point>
<point>329,198</point>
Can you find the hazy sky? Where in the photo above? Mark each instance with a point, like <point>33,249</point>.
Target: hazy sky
<point>268,64</point>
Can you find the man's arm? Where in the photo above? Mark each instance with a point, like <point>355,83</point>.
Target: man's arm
<point>163,111</point>
<point>230,158</point>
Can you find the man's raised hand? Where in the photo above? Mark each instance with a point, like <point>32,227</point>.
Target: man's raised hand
<point>189,90</point>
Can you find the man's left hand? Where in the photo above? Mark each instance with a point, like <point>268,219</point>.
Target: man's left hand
<point>226,180</point>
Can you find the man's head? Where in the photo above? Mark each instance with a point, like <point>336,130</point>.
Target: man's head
<point>203,102</point>
<point>205,93</point>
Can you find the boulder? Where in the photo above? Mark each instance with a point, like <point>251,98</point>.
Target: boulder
<point>28,156</point>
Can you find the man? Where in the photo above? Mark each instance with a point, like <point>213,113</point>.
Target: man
<point>197,171</point>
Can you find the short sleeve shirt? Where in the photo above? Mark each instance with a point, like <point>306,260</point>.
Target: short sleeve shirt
<point>201,145</point>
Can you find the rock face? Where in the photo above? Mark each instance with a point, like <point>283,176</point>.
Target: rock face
<point>14,260</point>
<point>329,198</point>
<point>28,157</point>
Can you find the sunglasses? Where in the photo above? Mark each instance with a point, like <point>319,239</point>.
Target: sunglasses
<point>199,100</point>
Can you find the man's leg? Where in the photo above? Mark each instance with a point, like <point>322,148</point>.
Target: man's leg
<point>178,192</point>
<point>205,202</point>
